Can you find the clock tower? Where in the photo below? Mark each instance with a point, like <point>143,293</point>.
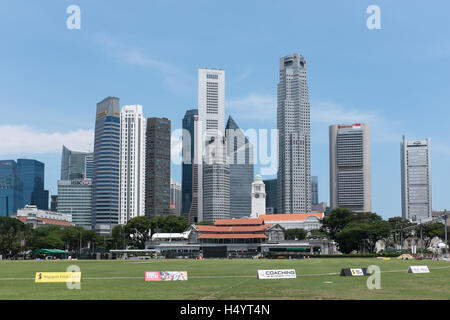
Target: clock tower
<point>258,197</point>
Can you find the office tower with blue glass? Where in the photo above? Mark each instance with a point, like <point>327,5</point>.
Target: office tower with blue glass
<point>271,196</point>
<point>188,159</point>
<point>105,175</point>
<point>32,173</point>
<point>240,157</point>
<point>314,190</point>
<point>76,164</point>
<point>11,189</point>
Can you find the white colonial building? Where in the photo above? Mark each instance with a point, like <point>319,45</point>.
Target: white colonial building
<point>258,197</point>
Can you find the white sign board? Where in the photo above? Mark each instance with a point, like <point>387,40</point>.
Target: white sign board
<point>277,274</point>
<point>418,269</point>
<point>357,272</point>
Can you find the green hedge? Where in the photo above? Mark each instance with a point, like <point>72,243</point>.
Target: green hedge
<point>357,255</point>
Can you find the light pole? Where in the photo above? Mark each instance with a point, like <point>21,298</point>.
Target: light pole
<point>421,241</point>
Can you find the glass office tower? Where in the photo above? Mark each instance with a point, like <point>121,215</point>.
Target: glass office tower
<point>10,188</point>
<point>31,172</point>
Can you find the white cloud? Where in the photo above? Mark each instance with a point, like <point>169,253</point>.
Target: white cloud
<point>22,139</point>
<point>254,106</point>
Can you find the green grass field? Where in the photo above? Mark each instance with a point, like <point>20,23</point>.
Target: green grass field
<point>226,279</point>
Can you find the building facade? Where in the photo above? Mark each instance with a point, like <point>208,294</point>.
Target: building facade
<point>32,174</point>
<point>30,214</point>
<point>11,188</point>
<point>75,199</point>
<point>350,178</point>
<point>271,196</point>
<point>314,190</point>
<point>294,130</point>
<point>188,159</point>
<point>132,163</point>
<point>54,203</point>
<point>416,179</point>
<point>105,173</point>
<point>258,197</point>
<point>240,157</point>
<point>157,168</point>
<point>215,167</point>
<point>74,164</point>
<point>195,214</point>
<point>176,196</point>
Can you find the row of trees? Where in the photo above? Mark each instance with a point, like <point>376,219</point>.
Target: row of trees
<point>361,231</point>
<point>17,237</point>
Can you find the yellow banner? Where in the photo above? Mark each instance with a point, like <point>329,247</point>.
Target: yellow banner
<point>58,277</point>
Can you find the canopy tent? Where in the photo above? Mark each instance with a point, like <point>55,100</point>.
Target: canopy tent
<point>49,251</point>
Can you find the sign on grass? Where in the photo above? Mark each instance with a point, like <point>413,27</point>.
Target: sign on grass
<point>418,269</point>
<point>165,275</point>
<point>57,277</point>
<point>276,274</point>
<point>354,272</point>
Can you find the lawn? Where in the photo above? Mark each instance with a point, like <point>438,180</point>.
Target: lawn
<point>226,279</point>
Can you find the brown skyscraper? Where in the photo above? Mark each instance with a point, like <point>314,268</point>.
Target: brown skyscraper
<point>157,171</point>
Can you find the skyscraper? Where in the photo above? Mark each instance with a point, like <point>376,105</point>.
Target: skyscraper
<point>105,176</point>
<point>75,198</point>
<point>271,196</point>
<point>240,156</point>
<point>294,149</point>
<point>314,190</point>
<point>196,210</point>
<point>75,164</point>
<point>11,188</point>
<point>157,167</point>
<point>32,173</point>
<point>175,196</point>
<point>215,167</point>
<point>416,179</point>
<point>188,159</point>
<point>132,163</point>
<point>350,181</point>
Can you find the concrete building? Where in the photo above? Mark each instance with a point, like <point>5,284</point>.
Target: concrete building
<point>75,199</point>
<point>294,130</point>
<point>306,221</point>
<point>76,164</point>
<point>105,175</point>
<point>215,182</point>
<point>350,179</point>
<point>176,197</point>
<point>157,168</point>
<point>54,203</point>
<point>416,179</point>
<point>31,214</point>
<point>258,197</point>
<point>132,163</point>
<point>188,160</point>
<point>240,157</point>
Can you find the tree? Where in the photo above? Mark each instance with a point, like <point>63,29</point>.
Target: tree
<point>295,234</point>
<point>137,231</point>
<point>316,233</point>
<point>429,231</point>
<point>205,223</point>
<point>336,221</point>
<point>12,232</point>
<point>119,237</point>
<point>172,224</point>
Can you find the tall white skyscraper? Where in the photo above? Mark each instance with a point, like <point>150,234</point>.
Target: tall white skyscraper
<point>294,148</point>
<point>350,180</point>
<point>215,182</point>
<point>416,179</point>
<point>132,163</point>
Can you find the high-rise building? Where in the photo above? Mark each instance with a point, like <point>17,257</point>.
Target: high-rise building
<point>271,196</point>
<point>89,165</point>
<point>32,173</point>
<point>75,198</point>
<point>75,164</point>
<point>188,159</point>
<point>157,168</point>
<point>294,148</point>
<point>416,180</point>
<point>11,188</point>
<point>215,168</point>
<point>175,196</point>
<point>195,214</point>
<point>258,197</point>
<point>314,190</point>
<point>240,157</point>
<point>54,203</point>
<point>105,175</point>
<point>132,163</point>
<point>350,181</point>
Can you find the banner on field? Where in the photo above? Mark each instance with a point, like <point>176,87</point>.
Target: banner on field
<point>354,272</point>
<point>418,269</point>
<point>57,277</point>
<point>276,274</point>
<point>165,275</point>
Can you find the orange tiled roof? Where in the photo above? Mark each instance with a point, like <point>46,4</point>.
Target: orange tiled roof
<point>241,222</point>
<point>290,216</point>
<point>56,222</point>
<point>204,228</point>
<point>232,236</point>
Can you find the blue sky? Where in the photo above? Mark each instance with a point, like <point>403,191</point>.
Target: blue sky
<point>397,79</point>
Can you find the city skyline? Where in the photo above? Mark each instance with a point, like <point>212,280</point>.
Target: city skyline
<point>377,86</point>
